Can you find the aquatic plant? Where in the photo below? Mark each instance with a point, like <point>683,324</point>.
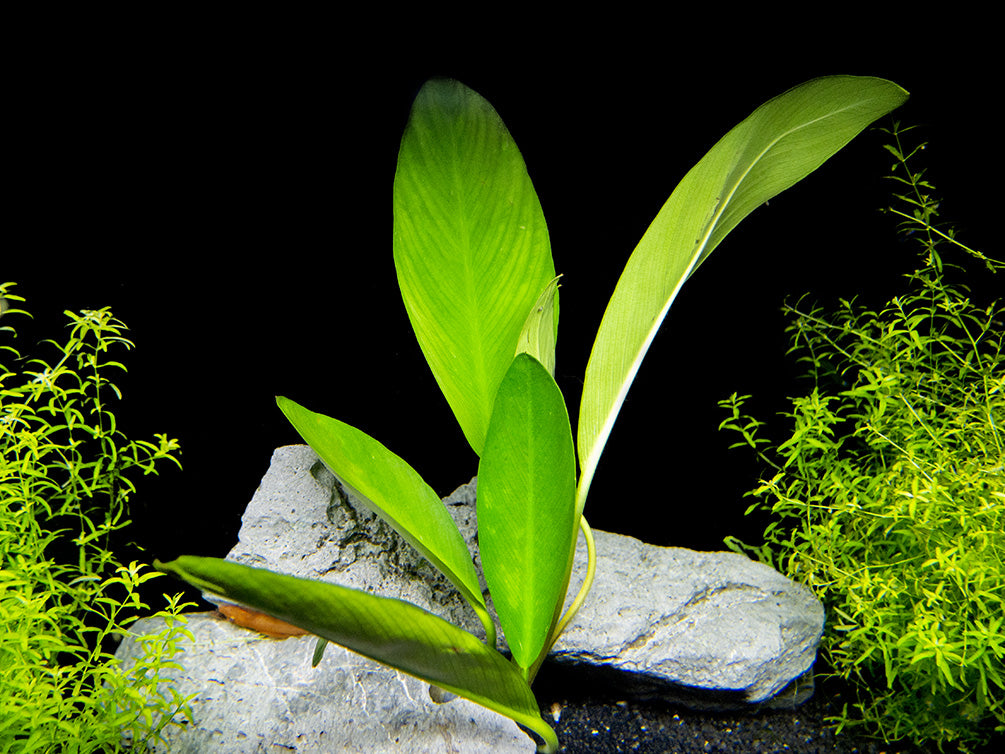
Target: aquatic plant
<point>888,496</point>
<point>474,266</point>
<point>65,480</point>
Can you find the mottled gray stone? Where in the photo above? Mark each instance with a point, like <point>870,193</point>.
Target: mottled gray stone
<point>708,630</point>
<point>262,695</point>
<point>705,629</point>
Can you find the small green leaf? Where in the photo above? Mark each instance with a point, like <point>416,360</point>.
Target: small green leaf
<point>471,246</point>
<point>390,631</point>
<point>779,144</point>
<point>526,505</point>
<point>540,331</point>
<point>319,651</point>
<point>395,492</point>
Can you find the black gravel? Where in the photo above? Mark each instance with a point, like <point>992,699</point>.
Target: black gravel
<point>587,724</point>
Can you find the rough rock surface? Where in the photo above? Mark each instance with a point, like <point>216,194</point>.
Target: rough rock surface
<point>262,695</point>
<point>709,630</point>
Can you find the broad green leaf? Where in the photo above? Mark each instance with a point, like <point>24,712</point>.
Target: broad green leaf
<point>540,331</point>
<point>396,492</point>
<point>779,144</point>
<point>390,631</point>
<point>526,505</point>
<point>471,245</point>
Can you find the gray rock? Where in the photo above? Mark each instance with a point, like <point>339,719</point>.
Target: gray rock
<point>708,630</point>
<point>262,695</point>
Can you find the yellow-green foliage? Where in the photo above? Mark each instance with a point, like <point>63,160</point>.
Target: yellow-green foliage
<point>64,597</point>
<point>889,495</point>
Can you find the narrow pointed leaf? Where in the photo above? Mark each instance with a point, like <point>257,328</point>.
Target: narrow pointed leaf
<point>471,245</point>
<point>396,492</point>
<point>319,651</point>
<point>390,631</point>
<point>526,505</point>
<point>540,331</point>
<point>779,144</point>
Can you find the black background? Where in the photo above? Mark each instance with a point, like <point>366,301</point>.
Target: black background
<point>225,187</point>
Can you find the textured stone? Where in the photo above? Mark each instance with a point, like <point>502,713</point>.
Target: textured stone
<point>708,630</point>
<point>262,695</point>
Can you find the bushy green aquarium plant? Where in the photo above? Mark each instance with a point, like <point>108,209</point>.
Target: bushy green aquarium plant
<point>66,473</point>
<point>888,496</point>
<point>475,270</point>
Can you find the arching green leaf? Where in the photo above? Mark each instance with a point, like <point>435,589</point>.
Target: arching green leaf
<point>471,245</point>
<point>779,144</point>
<point>390,631</point>
<point>396,492</point>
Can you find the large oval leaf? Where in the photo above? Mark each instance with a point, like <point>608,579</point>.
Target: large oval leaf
<point>393,632</point>
<point>779,144</point>
<point>395,492</point>
<point>471,245</point>
<point>526,505</point>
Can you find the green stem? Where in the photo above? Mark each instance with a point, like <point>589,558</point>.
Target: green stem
<point>487,624</point>
<point>591,569</point>
<point>545,731</point>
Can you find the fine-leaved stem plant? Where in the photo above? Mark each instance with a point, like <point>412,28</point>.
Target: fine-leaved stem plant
<point>889,494</point>
<point>65,481</point>
<point>475,271</point>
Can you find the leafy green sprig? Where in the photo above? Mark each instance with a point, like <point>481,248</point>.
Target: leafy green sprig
<point>889,494</point>
<point>65,598</point>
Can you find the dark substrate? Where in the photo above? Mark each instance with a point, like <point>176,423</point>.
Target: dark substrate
<point>590,721</point>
